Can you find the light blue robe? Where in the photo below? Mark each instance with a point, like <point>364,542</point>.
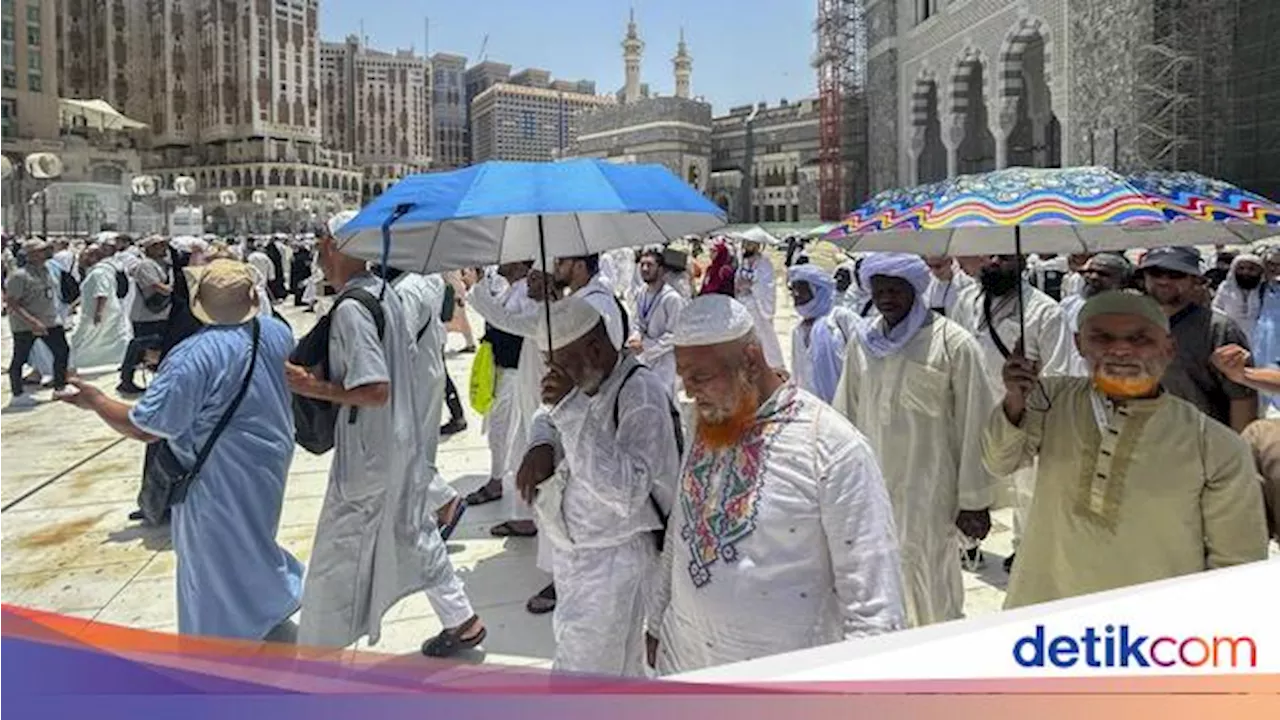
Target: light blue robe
<point>234,580</point>
<point>1266,342</point>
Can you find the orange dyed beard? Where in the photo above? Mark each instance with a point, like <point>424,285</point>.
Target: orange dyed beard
<point>1125,387</point>
<point>730,431</point>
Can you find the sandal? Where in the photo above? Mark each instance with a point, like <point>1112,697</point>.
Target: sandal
<point>450,642</point>
<point>484,495</point>
<point>544,602</point>
<point>446,530</point>
<point>506,529</point>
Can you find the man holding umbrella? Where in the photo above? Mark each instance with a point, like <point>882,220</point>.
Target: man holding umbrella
<point>992,312</point>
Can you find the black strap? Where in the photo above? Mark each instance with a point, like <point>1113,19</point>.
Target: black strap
<point>231,409</point>
<point>991,327</point>
<point>675,422</point>
<point>374,306</point>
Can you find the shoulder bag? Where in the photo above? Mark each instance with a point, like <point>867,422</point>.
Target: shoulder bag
<point>166,481</point>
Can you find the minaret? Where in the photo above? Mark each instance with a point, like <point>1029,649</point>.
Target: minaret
<point>683,66</point>
<point>631,49</point>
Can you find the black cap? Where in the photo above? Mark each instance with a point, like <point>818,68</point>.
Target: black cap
<point>1185,260</point>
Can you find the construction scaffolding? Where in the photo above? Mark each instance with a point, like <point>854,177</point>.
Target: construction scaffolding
<point>841,62</point>
<point>1184,74</point>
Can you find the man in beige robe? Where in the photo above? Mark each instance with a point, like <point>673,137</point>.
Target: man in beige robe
<point>1134,485</point>
<point>914,384</point>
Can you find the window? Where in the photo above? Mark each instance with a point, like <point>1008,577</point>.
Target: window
<point>33,13</point>
<point>8,30</point>
<point>8,55</point>
<point>8,114</point>
<point>10,79</point>
<point>33,61</point>
<point>34,83</point>
<point>33,35</point>
<point>925,9</point>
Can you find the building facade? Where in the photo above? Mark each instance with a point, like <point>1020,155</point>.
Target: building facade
<point>764,162</point>
<point>30,71</point>
<point>965,86</point>
<point>516,122</point>
<point>234,101</point>
<point>477,79</point>
<point>449,111</point>
<point>671,131</point>
<point>377,106</point>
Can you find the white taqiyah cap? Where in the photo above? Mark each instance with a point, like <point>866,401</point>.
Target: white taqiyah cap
<point>712,320</point>
<point>571,318</point>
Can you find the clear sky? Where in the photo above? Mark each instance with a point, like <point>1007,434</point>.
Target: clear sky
<point>744,51</point>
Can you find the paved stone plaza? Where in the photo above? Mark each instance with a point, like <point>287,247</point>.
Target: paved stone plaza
<point>69,482</point>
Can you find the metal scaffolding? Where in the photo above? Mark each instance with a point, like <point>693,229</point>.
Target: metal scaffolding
<point>841,62</point>
<point>1183,76</point>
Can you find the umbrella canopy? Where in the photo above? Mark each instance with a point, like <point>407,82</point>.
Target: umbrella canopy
<point>752,233</point>
<point>499,212</point>
<point>1068,210</point>
<point>1191,197</point>
<point>820,231</point>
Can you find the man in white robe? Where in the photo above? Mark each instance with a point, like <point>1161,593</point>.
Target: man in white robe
<point>753,287</point>
<point>423,298</point>
<point>507,421</point>
<point>376,540</point>
<point>989,310</point>
<point>103,334</point>
<point>849,291</point>
<point>1240,295</point>
<point>914,384</point>
<point>946,282</point>
<point>581,275</point>
<point>526,321</point>
<point>782,534</point>
<point>819,340</point>
<point>259,259</point>
<point>657,310</point>
<point>612,420</point>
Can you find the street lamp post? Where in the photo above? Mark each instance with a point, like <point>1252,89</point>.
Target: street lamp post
<point>142,186</point>
<point>259,198</point>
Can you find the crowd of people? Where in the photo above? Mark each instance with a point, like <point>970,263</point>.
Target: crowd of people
<point>697,497</point>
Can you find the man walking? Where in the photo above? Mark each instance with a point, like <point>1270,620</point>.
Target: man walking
<point>29,296</point>
<point>149,313</point>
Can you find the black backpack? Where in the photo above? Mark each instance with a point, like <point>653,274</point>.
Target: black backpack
<point>661,534</point>
<point>122,284</point>
<point>626,320</point>
<point>68,287</point>
<point>316,420</point>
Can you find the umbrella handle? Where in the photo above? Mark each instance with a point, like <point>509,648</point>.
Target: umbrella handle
<point>1017,249</point>
<point>400,211</point>
<point>546,278</point>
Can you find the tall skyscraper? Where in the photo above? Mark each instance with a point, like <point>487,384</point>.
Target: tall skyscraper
<point>517,122</point>
<point>30,87</point>
<point>449,110</point>
<point>378,107</point>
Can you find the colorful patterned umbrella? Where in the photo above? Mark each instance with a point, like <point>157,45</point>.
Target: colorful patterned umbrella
<point>1188,196</point>
<point>1067,210</point>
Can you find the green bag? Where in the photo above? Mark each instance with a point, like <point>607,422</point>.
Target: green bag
<point>483,379</point>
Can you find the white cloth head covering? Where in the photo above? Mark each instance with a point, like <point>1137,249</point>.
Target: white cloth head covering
<point>711,320</point>
<point>882,342</point>
<point>571,319</point>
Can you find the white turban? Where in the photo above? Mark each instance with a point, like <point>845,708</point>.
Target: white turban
<point>911,268</point>
<point>878,340</point>
<point>711,320</point>
<point>571,319</point>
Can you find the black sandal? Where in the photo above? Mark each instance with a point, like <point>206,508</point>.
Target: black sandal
<point>544,602</point>
<point>450,642</point>
<point>484,495</point>
<point>507,529</point>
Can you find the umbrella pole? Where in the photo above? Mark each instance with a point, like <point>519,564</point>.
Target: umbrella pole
<point>546,279</point>
<point>1017,249</point>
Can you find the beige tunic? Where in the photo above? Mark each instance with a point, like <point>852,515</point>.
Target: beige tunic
<point>1159,491</point>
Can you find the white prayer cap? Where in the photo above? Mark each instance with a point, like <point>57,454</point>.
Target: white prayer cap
<point>711,320</point>
<point>571,319</point>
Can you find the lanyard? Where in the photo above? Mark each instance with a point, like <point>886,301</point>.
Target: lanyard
<point>991,327</point>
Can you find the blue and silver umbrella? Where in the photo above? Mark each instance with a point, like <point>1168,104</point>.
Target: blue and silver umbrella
<point>499,212</point>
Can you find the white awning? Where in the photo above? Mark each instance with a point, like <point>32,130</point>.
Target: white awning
<point>96,114</point>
